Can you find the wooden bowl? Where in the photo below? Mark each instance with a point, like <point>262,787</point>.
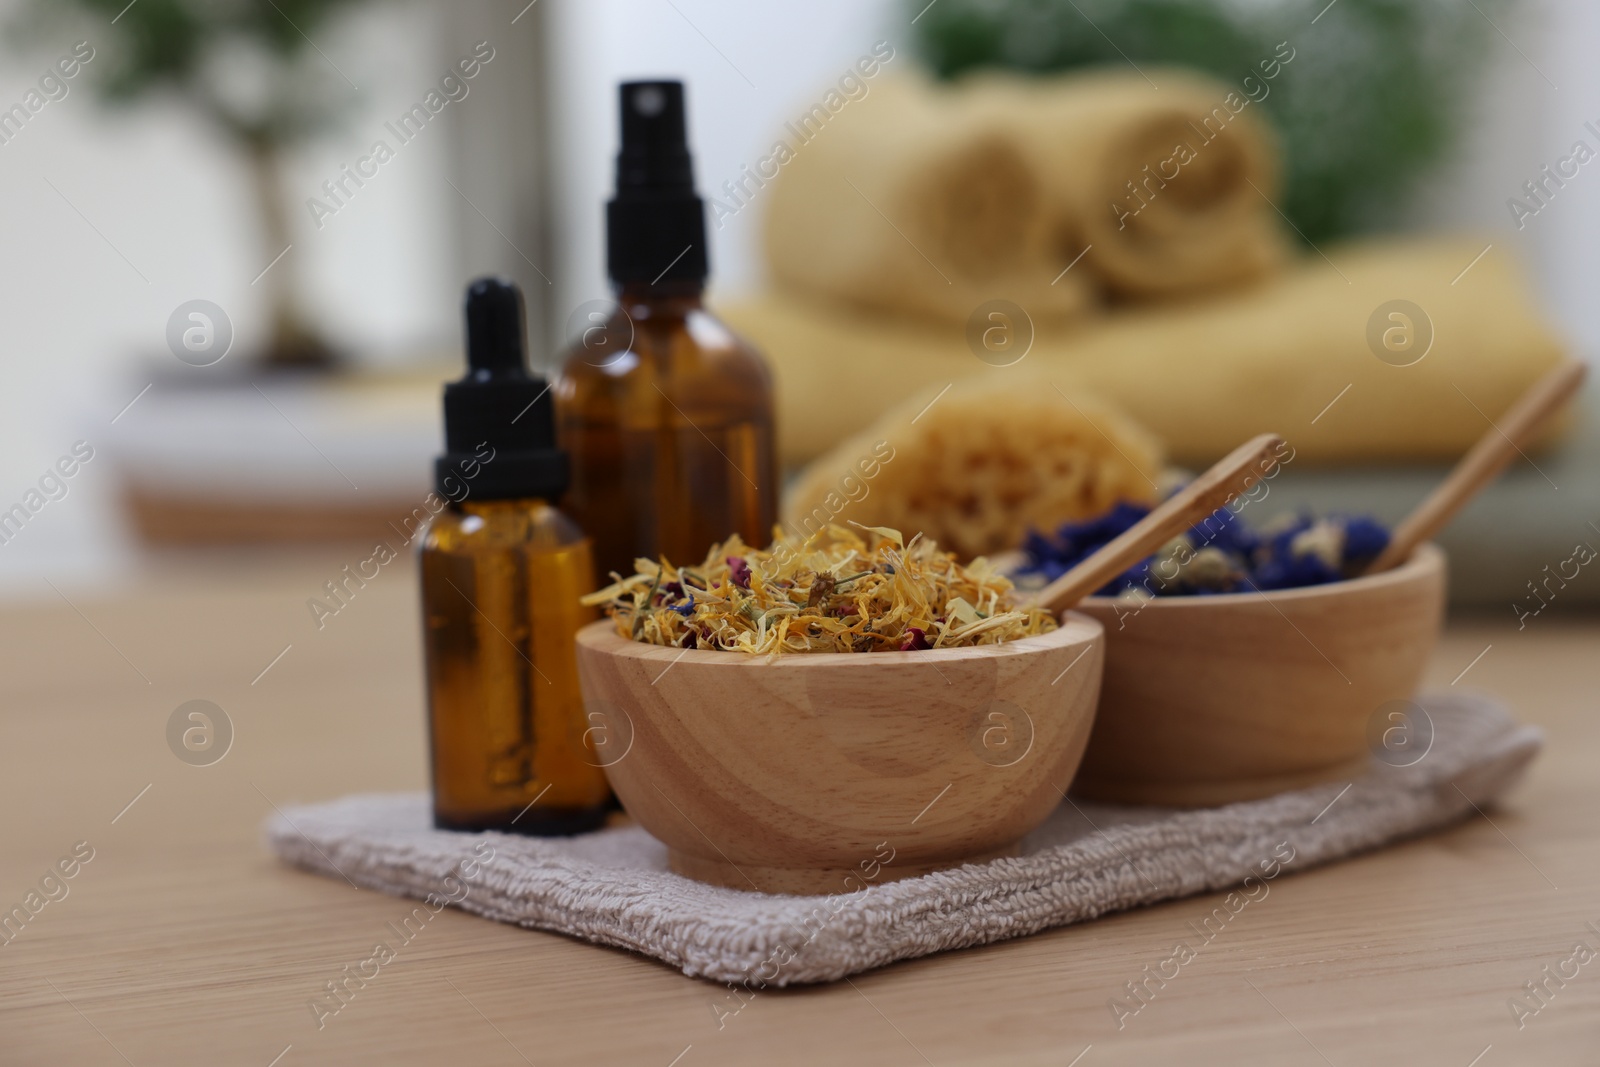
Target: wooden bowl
<point>823,773</point>
<point>1216,699</point>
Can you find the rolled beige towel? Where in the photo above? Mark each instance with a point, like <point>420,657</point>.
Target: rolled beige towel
<point>974,468</point>
<point>1294,356</point>
<point>1166,176</point>
<point>909,201</point>
<point>934,199</point>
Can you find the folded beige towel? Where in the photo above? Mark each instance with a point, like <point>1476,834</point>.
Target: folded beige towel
<point>932,199</point>
<point>976,468</point>
<point>909,202</point>
<point>1167,177</point>
<point>613,887</point>
<point>1294,356</point>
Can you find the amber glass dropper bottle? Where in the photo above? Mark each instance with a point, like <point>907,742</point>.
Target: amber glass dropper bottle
<point>502,574</point>
<point>666,414</point>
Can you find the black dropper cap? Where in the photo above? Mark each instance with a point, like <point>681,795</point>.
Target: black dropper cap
<point>499,416</point>
<point>655,225</point>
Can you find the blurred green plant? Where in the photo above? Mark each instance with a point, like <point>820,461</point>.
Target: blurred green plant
<point>252,70</point>
<point>1374,98</point>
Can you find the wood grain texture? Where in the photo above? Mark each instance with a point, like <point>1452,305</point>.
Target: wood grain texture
<point>183,943</point>
<point>1216,699</point>
<point>1500,444</point>
<point>1231,476</point>
<point>802,773</point>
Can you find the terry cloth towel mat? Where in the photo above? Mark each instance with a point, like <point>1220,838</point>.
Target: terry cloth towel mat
<point>613,887</point>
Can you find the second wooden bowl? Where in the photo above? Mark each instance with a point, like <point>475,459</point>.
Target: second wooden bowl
<point>825,773</point>
<point>1217,699</point>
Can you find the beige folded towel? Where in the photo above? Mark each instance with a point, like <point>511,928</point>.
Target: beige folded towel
<point>909,202</point>
<point>613,887</point>
<point>932,199</point>
<point>975,467</point>
<point>1205,375</point>
<point>1167,177</point>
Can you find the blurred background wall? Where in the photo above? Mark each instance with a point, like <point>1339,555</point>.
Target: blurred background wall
<point>113,219</point>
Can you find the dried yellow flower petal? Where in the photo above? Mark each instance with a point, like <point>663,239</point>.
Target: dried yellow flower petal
<point>837,591</point>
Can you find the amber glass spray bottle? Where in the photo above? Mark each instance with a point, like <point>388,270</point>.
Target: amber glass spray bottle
<point>502,573</point>
<point>667,415</point>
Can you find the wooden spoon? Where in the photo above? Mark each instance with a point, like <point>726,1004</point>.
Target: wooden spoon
<point>1234,474</point>
<point>1486,459</point>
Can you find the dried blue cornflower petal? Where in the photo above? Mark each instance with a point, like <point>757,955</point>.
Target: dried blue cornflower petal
<point>1225,531</point>
<point>1364,538</point>
<point>1220,554</point>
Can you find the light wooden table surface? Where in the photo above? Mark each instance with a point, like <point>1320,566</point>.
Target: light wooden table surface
<point>182,941</point>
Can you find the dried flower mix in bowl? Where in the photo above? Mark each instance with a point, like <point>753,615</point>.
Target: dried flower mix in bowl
<point>836,591</point>
<point>1220,555</point>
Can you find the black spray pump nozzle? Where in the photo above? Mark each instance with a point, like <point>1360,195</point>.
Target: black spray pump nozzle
<point>655,225</point>
<point>655,139</point>
<point>499,420</point>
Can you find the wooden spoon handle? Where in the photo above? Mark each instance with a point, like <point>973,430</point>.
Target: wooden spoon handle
<point>1498,445</point>
<point>1235,473</point>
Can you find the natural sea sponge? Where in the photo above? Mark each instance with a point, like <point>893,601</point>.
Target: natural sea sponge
<point>981,465</point>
